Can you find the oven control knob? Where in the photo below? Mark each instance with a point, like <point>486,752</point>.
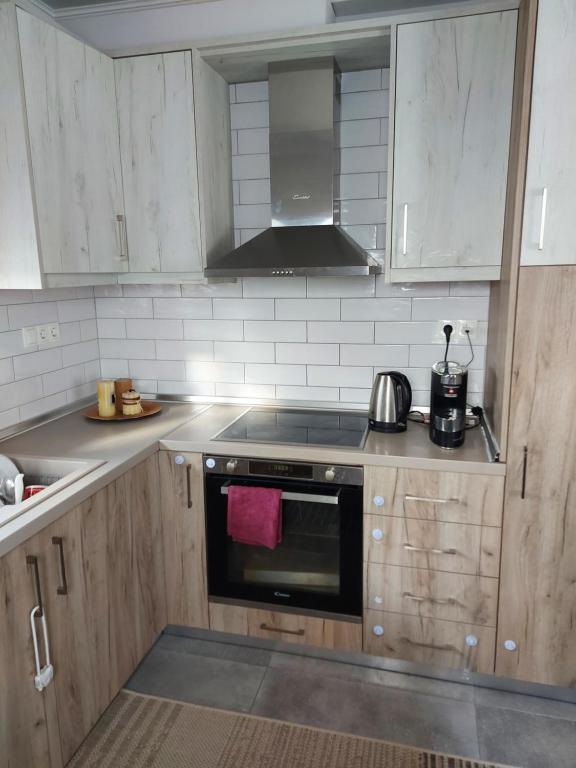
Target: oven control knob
<point>330,474</point>
<point>210,463</point>
<point>231,465</point>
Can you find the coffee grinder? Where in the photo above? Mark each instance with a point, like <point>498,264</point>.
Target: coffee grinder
<point>448,390</point>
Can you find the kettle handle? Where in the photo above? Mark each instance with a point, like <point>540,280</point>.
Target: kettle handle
<point>405,391</point>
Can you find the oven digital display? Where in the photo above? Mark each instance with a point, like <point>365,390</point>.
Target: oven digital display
<point>278,469</point>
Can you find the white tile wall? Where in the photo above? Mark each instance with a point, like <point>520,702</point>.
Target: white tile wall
<point>34,381</point>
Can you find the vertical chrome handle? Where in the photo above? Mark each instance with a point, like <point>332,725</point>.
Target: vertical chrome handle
<point>33,561</point>
<point>58,541</point>
<point>189,484</point>
<point>122,236</point>
<point>405,231</point>
<point>524,470</point>
<point>543,218</point>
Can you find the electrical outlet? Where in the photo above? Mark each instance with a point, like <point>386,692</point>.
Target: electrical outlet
<point>48,334</point>
<point>30,336</point>
<point>440,335</point>
<point>467,325</point>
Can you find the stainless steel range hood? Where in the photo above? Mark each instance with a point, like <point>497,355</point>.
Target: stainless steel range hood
<point>303,239</point>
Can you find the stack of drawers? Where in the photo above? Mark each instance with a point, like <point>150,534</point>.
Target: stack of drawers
<point>431,566</point>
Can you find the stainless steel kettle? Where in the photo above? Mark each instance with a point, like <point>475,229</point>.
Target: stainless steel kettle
<point>390,402</point>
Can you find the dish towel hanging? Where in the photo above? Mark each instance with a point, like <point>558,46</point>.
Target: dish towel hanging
<point>255,515</point>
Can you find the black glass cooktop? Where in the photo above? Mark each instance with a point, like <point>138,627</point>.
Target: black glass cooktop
<point>341,429</point>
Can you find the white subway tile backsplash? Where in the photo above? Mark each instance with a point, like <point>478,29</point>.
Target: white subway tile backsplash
<point>273,330</point>
<point>157,369</point>
<point>313,354</point>
<point>253,192</point>
<point>78,309</point>
<point>6,371</point>
<point>341,333</point>
<point>120,307</point>
<point>107,291</point>
<point>339,376</point>
<point>252,91</point>
<point>66,378</point>
<point>37,362</point>
<point>357,133</point>
<point>244,309</point>
<point>376,309</point>
<point>249,115</point>
<point>22,315</point>
<point>88,329</point>
<point>250,391</point>
<point>243,352</point>
<point>365,80</point>
<point>307,309</point>
<point>9,418</point>
<point>274,287</point>
<point>80,353</point>
<point>151,291</point>
<point>155,329</point>
<point>470,289</point>
<point>20,392</point>
<point>114,369</point>
<point>275,374</point>
<point>425,355</point>
<point>320,394</point>
<point>253,141</point>
<point>252,216</point>
<point>42,405</point>
<point>359,186</point>
<point>380,355</point>
<point>3,319</point>
<point>215,372</point>
<point>251,167</point>
<point>410,290</point>
<point>424,333</point>
<point>469,308</point>
<point>340,287</point>
<point>184,350</point>
<point>362,211</point>
<point>16,297</point>
<point>11,343</point>
<point>189,309</point>
<point>213,330</point>
<point>353,395</point>
<point>363,159</point>
<point>209,290</point>
<point>361,106</point>
<point>138,349</point>
<point>200,389</point>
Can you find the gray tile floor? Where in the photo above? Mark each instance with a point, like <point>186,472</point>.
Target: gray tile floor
<point>449,717</point>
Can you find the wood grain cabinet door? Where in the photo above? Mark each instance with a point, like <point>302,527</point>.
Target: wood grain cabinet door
<point>549,230</point>
<point>155,98</point>
<point>537,608</point>
<point>73,130</point>
<point>183,531</point>
<point>453,105</point>
<point>28,718</point>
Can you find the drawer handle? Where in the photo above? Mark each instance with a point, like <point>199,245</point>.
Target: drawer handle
<point>447,647</point>
<point>430,551</point>
<point>431,500</point>
<point>189,485</point>
<point>298,632</point>
<point>58,541</point>
<point>435,600</point>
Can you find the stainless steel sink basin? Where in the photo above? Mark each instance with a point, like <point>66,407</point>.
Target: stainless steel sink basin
<point>55,473</point>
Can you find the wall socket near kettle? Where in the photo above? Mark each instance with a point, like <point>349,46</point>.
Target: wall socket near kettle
<point>41,335</point>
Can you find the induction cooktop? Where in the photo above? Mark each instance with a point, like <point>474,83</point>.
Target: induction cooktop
<point>340,429</point>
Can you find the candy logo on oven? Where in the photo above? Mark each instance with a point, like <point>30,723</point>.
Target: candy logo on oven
<point>282,594</point>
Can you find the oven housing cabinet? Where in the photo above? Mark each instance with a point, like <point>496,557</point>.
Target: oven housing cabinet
<point>314,509</point>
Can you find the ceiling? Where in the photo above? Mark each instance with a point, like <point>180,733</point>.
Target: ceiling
<point>58,5</point>
<point>344,8</point>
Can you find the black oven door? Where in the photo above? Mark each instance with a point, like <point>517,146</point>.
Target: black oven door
<point>317,565</point>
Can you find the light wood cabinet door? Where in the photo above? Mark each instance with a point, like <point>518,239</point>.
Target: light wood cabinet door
<point>183,531</point>
<point>71,111</point>
<point>453,104</point>
<point>75,550</point>
<point>28,718</point>
<point>429,641</point>
<point>537,609</point>
<point>155,98</point>
<point>549,230</point>
<point>136,590</point>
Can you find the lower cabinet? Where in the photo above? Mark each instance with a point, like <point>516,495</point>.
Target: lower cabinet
<point>101,585</point>
<point>286,627</point>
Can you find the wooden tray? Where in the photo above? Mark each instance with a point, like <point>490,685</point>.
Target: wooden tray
<point>149,408</point>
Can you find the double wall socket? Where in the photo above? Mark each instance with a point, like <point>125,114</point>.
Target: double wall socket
<point>460,327</point>
<point>41,335</point>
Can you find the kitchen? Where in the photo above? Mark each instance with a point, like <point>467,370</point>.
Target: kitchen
<point>329,245</point>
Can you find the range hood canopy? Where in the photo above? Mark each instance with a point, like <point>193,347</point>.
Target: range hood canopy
<point>303,239</point>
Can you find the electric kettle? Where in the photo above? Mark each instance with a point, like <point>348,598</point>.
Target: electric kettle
<point>390,402</point>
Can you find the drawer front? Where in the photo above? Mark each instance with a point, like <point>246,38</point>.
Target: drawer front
<point>451,497</point>
<point>451,547</point>
<point>430,641</point>
<point>432,594</point>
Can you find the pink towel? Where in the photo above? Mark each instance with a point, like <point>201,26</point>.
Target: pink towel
<point>255,515</point>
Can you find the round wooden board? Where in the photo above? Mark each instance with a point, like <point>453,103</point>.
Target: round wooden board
<point>149,408</point>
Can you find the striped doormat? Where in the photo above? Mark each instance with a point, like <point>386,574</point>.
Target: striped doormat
<point>145,732</point>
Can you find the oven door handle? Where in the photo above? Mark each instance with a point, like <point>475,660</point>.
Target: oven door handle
<point>289,496</point>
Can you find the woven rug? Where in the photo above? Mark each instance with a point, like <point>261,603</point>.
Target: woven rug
<point>145,732</point>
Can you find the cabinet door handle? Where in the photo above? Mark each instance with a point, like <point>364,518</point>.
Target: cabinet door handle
<point>543,218</point>
<point>298,632</point>
<point>432,500</point>
<point>524,471</point>
<point>434,600</point>
<point>58,541</point>
<point>189,484</point>
<point>411,548</point>
<point>405,231</point>
<point>433,646</point>
<point>33,561</point>
<point>122,236</point>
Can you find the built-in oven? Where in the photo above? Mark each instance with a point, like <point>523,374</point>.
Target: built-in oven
<point>317,566</point>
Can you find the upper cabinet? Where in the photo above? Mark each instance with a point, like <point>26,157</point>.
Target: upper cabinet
<point>75,155</point>
<point>453,104</point>
<point>549,229</point>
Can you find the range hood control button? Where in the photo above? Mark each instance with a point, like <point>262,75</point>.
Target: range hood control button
<point>330,474</point>
<point>231,465</point>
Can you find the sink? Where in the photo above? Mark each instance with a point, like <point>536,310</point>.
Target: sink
<point>55,473</point>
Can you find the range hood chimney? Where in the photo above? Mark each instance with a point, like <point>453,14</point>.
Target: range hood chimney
<point>303,239</point>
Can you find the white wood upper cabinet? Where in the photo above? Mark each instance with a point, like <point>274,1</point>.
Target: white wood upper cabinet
<point>453,104</point>
<point>155,100</point>
<point>549,230</point>
<point>73,134</point>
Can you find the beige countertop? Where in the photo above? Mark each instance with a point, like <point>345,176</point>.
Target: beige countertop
<point>191,427</point>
